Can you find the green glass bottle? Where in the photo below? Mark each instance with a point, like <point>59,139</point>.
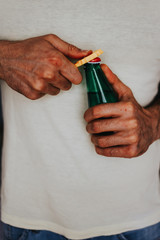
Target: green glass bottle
<point>99,89</point>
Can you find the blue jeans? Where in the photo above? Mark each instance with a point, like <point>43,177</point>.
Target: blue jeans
<point>14,233</point>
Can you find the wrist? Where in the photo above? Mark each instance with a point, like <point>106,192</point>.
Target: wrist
<point>1,69</point>
<point>154,111</point>
<point>3,56</point>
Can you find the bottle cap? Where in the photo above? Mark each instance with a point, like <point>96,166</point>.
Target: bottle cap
<point>89,58</point>
<point>95,60</point>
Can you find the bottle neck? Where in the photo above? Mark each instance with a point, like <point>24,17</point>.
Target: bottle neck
<point>90,66</point>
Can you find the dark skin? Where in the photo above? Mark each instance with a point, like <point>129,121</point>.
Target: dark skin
<point>135,128</point>
<point>38,66</point>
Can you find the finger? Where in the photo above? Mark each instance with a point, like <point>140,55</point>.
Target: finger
<point>59,63</point>
<point>40,85</point>
<point>62,65</point>
<point>108,125</point>
<point>66,48</point>
<point>106,110</point>
<point>31,93</point>
<point>19,82</point>
<point>50,73</point>
<point>122,90</point>
<point>51,90</point>
<point>128,151</point>
<point>42,75</point>
<point>23,88</point>
<point>115,139</point>
<point>111,110</point>
<point>60,82</point>
<point>70,72</point>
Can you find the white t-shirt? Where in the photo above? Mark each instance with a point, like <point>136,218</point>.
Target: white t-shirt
<point>52,177</point>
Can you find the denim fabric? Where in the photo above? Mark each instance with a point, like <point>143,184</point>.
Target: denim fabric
<point>14,233</point>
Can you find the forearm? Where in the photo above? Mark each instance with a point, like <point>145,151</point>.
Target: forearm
<point>154,109</point>
<point>3,56</point>
<point>8,50</point>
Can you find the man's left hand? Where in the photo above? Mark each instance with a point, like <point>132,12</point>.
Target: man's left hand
<point>132,128</point>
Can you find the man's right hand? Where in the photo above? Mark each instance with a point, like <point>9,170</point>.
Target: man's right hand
<point>39,66</point>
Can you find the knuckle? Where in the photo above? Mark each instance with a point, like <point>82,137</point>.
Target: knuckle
<point>72,48</point>
<point>132,152</point>
<point>49,36</point>
<point>131,124</point>
<point>39,86</point>
<point>115,75</point>
<point>133,138</point>
<point>126,124</point>
<point>134,123</point>
<point>129,91</point>
<point>48,74</point>
<point>130,107</point>
<point>56,60</point>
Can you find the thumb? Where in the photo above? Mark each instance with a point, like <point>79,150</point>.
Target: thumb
<point>66,48</point>
<point>120,88</point>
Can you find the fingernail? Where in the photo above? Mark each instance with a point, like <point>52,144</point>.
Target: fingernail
<point>87,51</point>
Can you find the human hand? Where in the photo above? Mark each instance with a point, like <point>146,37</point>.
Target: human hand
<point>39,66</point>
<point>132,128</point>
